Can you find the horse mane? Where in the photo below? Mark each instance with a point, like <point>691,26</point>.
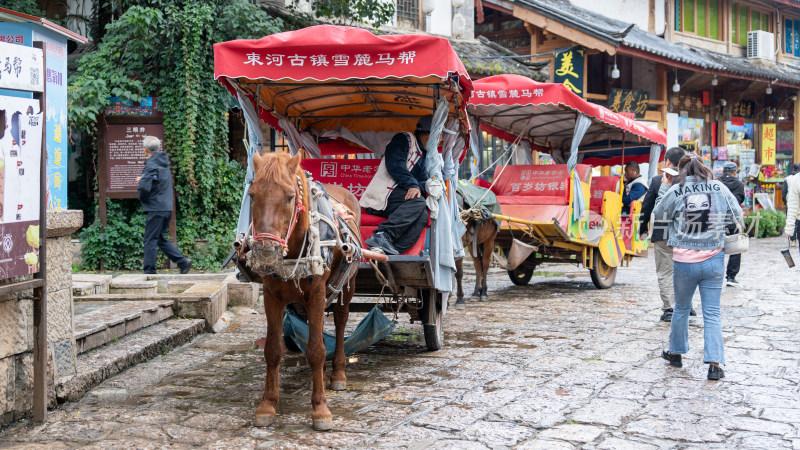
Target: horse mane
<point>272,167</point>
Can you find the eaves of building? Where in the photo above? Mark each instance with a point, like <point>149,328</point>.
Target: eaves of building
<point>625,38</point>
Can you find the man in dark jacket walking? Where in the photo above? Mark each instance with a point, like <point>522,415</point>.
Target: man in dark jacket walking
<point>662,251</point>
<point>155,194</point>
<point>736,187</point>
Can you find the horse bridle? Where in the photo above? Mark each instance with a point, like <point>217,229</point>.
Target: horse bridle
<point>299,208</point>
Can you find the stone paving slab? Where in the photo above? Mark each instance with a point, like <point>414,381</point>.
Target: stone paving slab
<point>557,364</point>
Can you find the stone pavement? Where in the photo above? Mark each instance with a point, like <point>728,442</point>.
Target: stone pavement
<point>557,364</point>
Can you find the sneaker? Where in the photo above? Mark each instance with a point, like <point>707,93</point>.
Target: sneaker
<point>674,359</point>
<point>186,266</point>
<point>715,373</point>
<point>732,282</point>
<point>667,315</point>
<point>381,241</point>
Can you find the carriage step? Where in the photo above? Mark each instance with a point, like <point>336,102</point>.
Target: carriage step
<point>100,322</point>
<point>104,362</point>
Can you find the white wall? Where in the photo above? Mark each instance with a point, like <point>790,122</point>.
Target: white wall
<point>629,11</point>
<point>441,19</point>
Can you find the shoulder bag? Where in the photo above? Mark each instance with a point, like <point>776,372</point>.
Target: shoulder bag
<point>736,243</point>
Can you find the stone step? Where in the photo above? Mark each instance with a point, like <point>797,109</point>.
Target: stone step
<point>123,285</point>
<point>81,288</point>
<point>100,322</point>
<point>104,362</point>
<point>100,283</point>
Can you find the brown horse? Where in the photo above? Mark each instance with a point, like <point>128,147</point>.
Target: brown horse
<point>480,236</point>
<point>280,204</point>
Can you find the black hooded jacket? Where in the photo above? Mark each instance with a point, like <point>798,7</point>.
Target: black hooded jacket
<point>155,187</point>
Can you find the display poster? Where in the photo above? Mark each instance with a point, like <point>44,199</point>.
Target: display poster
<point>21,67</point>
<point>628,101</point>
<point>147,107</point>
<point>765,199</point>
<point>739,132</point>
<point>55,47</point>
<point>569,69</point>
<point>125,156</point>
<point>768,144</point>
<point>20,166</point>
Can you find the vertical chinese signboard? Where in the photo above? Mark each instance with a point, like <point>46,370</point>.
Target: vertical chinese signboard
<point>55,77</point>
<point>569,69</point>
<point>768,144</point>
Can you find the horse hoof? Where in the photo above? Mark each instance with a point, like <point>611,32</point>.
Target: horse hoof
<point>475,298</point>
<point>484,298</point>
<point>460,305</point>
<point>263,420</point>
<point>338,385</point>
<point>323,424</point>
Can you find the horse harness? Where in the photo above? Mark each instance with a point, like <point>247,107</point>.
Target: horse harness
<point>479,215</point>
<point>316,253</point>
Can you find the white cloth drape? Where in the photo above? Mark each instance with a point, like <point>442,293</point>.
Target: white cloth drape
<point>254,140</point>
<point>441,209</point>
<point>374,141</point>
<point>475,149</point>
<point>522,153</point>
<point>582,124</point>
<point>297,140</point>
<point>655,156</point>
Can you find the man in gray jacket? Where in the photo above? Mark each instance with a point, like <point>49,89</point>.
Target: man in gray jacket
<point>155,194</point>
<point>663,252</point>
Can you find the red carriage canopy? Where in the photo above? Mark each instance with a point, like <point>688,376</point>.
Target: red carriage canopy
<point>326,76</point>
<point>544,114</point>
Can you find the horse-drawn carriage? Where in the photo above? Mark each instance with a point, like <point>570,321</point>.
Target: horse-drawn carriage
<point>338,95</point>
<point>561,213</point>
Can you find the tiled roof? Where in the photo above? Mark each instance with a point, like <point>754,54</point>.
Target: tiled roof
<point>483,57</point>
<point>622,34</point>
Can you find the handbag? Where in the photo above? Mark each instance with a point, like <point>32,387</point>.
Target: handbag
<point>738,243</point>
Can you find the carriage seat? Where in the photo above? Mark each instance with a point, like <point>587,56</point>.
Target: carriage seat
<point>535,184</point>
<point>355,175</point>
<point>598,187</point>
<point>536,192</point>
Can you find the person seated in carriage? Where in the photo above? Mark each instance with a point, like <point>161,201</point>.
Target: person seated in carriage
<point>397,191</point>
<point>635,186</point>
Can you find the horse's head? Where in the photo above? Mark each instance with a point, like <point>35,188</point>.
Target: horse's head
<point>278,200</point>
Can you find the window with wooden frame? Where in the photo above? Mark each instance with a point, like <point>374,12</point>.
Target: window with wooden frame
<point>791,36</point>
<point>700,17</point>
<point>409,14</point>
<point>745,18</point>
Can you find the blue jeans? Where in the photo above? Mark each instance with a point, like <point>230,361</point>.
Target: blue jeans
<point>687,277</point>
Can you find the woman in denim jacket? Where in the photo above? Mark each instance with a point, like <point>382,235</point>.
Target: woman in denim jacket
<point>697,207</point>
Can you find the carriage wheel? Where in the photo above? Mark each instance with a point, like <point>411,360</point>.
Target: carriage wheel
<point>522,275</point>
<point>603,275</point>
<point>432,320</point>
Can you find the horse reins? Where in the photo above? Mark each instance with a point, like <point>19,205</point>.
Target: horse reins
<point>298,209</point>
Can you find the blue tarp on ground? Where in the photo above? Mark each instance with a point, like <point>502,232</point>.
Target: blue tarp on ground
<point>374,327</point>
